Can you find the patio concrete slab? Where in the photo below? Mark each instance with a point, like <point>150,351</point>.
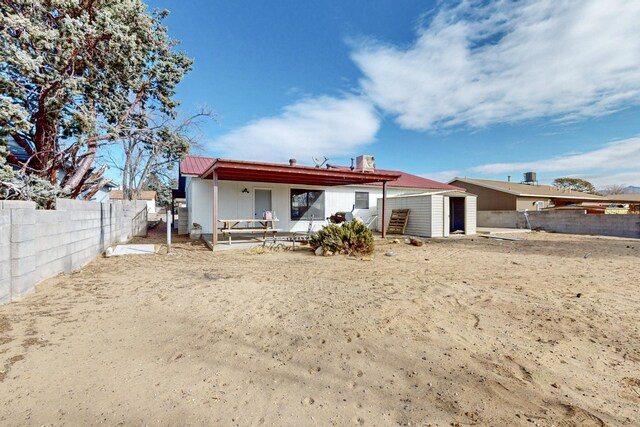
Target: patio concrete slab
<point>134,250</point>
<point>244,242</point>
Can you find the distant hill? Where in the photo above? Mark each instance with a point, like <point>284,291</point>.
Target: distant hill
<point>632,189</point>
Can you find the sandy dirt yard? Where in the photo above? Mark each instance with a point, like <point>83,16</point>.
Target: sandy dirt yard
<point>461,331</point>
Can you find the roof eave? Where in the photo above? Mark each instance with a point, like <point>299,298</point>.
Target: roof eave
<point>491,187</point>
<point>519,194</point>
<point>297,174</point>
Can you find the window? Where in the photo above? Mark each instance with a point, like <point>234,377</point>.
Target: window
<point>362,200</point>
<point>307,203</point>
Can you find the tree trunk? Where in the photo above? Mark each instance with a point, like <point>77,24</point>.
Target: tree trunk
<point>80,173</point>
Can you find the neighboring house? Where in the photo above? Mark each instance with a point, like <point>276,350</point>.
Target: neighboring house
<point>632,200</point>
<point>596,208</point>
<point>103,194</point>
<point>16,150</point>
<point>512,196</point>
<point>292,192</point>
<point>148,196</point>
<point>624,198</point>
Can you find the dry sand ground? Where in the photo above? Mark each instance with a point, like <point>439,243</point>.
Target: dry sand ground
<point>464,331</point>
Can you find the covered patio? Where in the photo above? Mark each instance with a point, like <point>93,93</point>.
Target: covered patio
<point>234,170</point>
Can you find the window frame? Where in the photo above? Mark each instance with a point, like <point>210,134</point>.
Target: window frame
<point>356,199</point>
<point>305,215</point>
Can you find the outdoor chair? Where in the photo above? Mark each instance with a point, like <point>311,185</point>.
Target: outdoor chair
<point>298,236</point>
<point>371,221</point>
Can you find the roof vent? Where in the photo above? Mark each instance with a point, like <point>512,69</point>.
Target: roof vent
<point>292,162</point>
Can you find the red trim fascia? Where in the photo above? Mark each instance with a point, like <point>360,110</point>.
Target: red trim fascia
<point>236,170</point>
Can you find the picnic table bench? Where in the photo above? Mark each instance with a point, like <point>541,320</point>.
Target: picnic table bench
<point>242,226</point>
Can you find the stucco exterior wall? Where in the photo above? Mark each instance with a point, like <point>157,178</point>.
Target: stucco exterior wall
<point>530,203</point>
<point>489,200</point>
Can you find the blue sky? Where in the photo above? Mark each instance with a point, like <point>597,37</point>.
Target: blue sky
<point>477,89</point>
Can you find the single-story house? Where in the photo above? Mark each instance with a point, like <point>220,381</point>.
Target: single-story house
<point>632,200</point>
<point>512,196</point>
<point>217,189</point>
<point>148,196</point>
<point>624,198</point>
<point>594,208</point>
<point>102,195</point>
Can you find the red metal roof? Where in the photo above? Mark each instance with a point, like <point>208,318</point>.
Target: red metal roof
<point>195,165</point>
<point>238,170</point>
<point>274,172</point>
<point>408,180</point>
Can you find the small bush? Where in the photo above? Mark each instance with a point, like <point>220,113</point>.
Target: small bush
<point>350,238</point>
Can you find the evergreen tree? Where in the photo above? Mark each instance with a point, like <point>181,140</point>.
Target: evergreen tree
<point>575,184</point>
<point>76,75</point>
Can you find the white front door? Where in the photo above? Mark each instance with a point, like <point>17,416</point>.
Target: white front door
<point>262,202</point>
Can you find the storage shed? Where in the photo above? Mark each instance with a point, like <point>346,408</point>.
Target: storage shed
<point>435,214</point>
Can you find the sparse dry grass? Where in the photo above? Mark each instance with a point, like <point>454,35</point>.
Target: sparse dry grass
<point>462,331</point>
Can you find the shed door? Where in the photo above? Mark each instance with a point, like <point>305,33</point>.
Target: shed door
<point>262,202</point>
<point>456,212</point>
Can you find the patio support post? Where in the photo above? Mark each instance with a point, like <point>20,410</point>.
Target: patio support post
<point>384,207</point>
<point>215,209</point>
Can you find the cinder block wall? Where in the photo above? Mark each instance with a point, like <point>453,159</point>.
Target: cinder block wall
<point>579,222</point>
<point>5,255</point>
<point>38,244</point>
<point>571,222</point>
<point>501,219</point>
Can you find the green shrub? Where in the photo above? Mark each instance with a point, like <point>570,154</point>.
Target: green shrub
<point>350,238</point>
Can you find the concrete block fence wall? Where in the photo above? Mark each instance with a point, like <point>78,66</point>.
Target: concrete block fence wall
<point>501,219</point>
<point>37,244</point>
<point>571,222</point>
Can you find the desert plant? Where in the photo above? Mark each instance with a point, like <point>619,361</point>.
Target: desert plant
<point>350,238</point>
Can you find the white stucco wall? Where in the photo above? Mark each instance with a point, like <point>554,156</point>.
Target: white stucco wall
<point>234,204</point>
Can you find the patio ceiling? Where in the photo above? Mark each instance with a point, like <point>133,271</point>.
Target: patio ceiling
<point>235,170</point>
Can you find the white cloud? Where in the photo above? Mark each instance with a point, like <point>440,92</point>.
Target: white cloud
<point>312,127</point>
<point>478,65</point>
<point>618,155</point>
<point>441,176</point>
<point>615,163</point>
<point>601,181</point>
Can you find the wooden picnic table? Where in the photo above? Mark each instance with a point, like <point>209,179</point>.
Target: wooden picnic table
<point>237,226</point>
